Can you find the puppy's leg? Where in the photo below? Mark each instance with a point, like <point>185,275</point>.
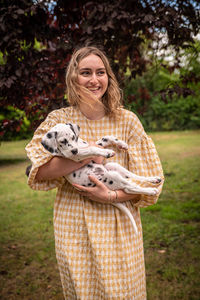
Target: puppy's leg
<point>84,153</point>
<point>127,174</point>
<point>112,140</point>
<point>116,182</point>
<point>135,189</point>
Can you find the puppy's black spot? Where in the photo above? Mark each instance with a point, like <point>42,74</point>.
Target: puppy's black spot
<point>84,142</point>
<point>49,135</point>
<point>105,180</point>
<point>127,177</point>
<point>105,140</point>
<point>72,128</point>
<point>73,138</point>
<point>100,144</point>
<point>65,141</point>
<point>89,166</point>
<point>83,185</point>
<point>116,139</point>
<point>94,185</point>
<point>74,175</point>
<point>89,184</point>
<point>110,182</point>
<point>50,149</point>
<point>43,144</point>
<point>74,151</point>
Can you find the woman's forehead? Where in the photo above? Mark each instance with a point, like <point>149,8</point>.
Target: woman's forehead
<point>91,61</point>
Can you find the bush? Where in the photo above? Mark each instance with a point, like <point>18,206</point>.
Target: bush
<point>14,119</point>
<point>165,101</point>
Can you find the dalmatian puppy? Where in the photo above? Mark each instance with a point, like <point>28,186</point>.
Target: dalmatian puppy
<point>63,140</point>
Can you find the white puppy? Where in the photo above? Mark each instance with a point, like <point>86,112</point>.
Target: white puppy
<point>63,140</point>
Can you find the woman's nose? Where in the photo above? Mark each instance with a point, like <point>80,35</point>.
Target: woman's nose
<point>94,78</point>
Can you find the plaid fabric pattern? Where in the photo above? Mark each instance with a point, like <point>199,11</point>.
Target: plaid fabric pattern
<point>99,256</point>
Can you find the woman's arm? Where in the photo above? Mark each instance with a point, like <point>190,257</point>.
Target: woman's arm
<point>100,193</point>
<point>58,167</point>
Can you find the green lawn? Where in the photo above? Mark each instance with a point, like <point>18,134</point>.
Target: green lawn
<point>28,268</point>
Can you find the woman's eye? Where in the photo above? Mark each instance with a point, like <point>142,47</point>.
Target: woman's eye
<point>101,73</point>
<point>85,73</point>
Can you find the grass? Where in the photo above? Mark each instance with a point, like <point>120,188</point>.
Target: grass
<point>171,227</point>
<point>28,268</point>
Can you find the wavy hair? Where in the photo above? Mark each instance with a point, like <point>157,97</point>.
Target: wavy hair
<point>76,94</point>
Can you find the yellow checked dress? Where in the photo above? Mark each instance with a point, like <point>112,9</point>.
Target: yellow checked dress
<point>98,254</point>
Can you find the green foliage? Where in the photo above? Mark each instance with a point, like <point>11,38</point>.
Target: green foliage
<point>20,125</point>
<point>38,38</point>
<point>176,114</point>
<point>167,99</point>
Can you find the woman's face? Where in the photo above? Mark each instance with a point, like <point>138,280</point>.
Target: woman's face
<point>92,75</point>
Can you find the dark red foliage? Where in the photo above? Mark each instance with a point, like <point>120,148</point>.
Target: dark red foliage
<point>34,81</point>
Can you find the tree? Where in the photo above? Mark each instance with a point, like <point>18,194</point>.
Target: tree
<point>39,37</point>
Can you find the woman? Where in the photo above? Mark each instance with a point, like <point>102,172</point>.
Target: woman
<point>99,256</point>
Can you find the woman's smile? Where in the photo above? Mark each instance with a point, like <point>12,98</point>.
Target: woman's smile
<point>92,75</point>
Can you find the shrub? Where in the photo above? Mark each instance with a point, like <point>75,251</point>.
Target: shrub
<point>17,122</point>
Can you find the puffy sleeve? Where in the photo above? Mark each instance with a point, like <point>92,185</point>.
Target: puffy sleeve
<point>39,156</point>
<point>144,161</point>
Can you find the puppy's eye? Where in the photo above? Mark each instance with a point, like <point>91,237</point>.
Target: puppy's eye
<point>49,135</point>
<point>73,138</point>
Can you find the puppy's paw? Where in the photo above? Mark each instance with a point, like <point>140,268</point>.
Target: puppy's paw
<point>121,145</point>
<point>110,153</point>
<point>155,180</point>
<point>151,191</point>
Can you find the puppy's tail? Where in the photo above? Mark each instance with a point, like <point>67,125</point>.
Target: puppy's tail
<point>128,213</point>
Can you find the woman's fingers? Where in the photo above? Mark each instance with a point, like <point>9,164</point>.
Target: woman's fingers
<point>94,180</point>
<point>97,193</point>
<point>80,188</point>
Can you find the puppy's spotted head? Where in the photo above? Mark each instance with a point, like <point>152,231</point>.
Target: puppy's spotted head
<point>62,140</point>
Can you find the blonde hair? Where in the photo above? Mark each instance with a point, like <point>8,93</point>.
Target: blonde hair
<point>77,94</point>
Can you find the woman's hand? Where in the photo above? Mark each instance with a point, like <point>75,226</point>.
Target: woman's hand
<point>99,193</point>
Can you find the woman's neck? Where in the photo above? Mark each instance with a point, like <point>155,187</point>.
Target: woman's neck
<point>96,112</point>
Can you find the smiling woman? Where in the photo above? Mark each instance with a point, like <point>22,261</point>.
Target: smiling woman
<point>98,254</point>
<point>91,81</point>
<point>93,77</point>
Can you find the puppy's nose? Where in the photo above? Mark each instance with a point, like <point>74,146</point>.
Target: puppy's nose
<point>74,151</point>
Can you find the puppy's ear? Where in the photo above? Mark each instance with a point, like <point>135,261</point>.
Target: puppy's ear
<point>49,142</point>
<point>75,128</point>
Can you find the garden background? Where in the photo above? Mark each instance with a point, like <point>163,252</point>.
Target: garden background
<point>154,47</point>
